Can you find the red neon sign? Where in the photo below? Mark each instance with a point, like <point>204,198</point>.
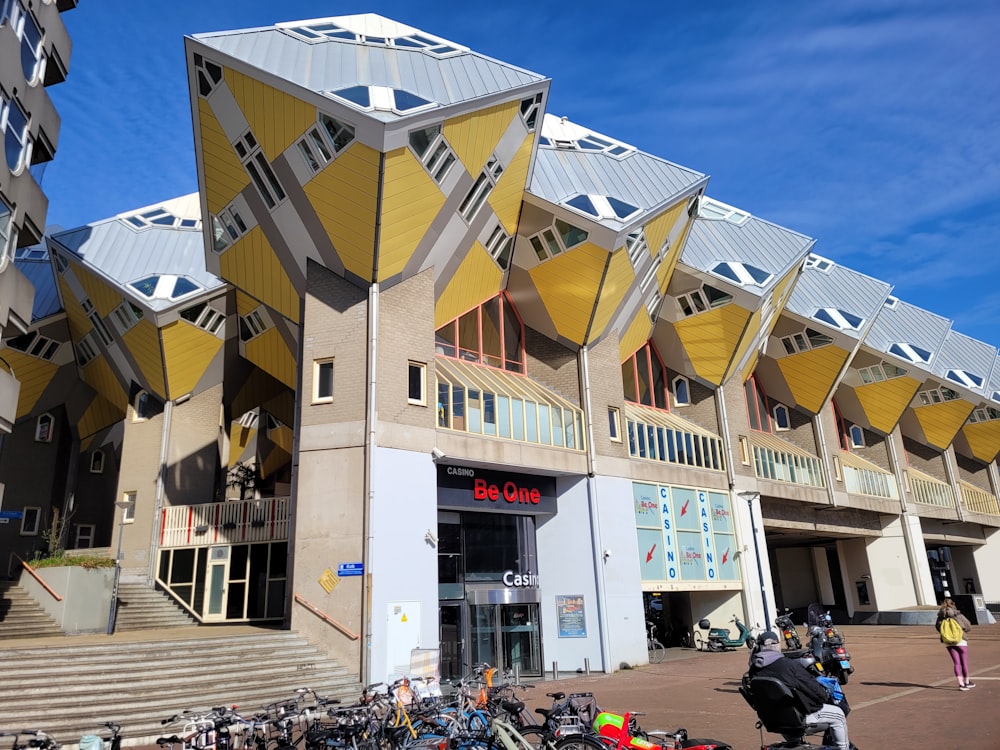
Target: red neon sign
<point>510,492</point>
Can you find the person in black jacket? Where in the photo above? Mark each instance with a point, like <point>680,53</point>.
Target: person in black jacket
<point>812,696</point>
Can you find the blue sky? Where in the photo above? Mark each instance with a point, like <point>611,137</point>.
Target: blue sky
<point>872,127</point>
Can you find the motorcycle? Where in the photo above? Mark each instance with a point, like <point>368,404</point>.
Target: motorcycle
<point>622,732</point>
<point>827,644</point>
<point>718,639</point>
<point>783,622</point>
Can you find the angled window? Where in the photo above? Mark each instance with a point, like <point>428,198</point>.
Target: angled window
<point>756,401</point>
<point>381,99</point>
<point>86,349</point>
<point>558,238</point>
<point>259,169</point>
<point>165,286</point>
<point>742,273</point>
<point>26,27</point>
<point>857,436</point>
<point>490,334</point>
<point>323,143</point>
<point>682,391</point>
<point>125,316</point>
<point>97,462</point>
<point>44,427</point>
<point>483,186</point>
<point>84,536</point>
<point>416,383</point>
<point>35,344</point>
<point>709,208</point>
<point>208,73</point>
<point>891,302</point>
<point>615,424</point>
<point>636,247</point>
<point>804,341</point>
<point>838,318</point>
<point>530,108</point>
<point>964,377</point>
<point>322,381</point>
<point>782,420</point>
<point>17,143</point>
<point>227,227</point>
<point>588,142</point>
<point>996,396</point>
<point>602,206</point>
<point>7,233</point>
<point>702,299</point>
<point>252,325</point>
<point>819,263</point>
<point>910,352</point>
<point>878,373</point>
<point>430,146</point>
<point>499,246</point>
<point>205,317</point>
<point>984,414</point>
<point>31,519</point>
<point>936,396</point>
<point>644,378</point>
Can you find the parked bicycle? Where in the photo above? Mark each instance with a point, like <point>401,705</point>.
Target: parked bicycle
<point>657,651</point>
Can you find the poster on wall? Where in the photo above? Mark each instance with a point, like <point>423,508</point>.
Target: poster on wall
<point>571,616</point>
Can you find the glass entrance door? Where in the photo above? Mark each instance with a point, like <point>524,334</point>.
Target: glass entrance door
<point>452,642</point>
<point>483,634</point>
<point>505,636</point>
<point>215,589</point>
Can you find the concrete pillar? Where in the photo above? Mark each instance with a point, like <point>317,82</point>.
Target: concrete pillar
<point>821,568</point>
<point>889,567</point>
<point>987,560</point>
<point>920,569</point>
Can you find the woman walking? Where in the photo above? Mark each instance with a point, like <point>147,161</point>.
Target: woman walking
<point>954,640</point>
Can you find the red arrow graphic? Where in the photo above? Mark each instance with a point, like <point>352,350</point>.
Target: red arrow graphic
<point>684,508</point>
<point>725,556</point>
<point>649,555</point>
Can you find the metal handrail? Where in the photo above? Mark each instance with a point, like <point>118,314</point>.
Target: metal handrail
<point>326,618</point>
<point>38,578</point>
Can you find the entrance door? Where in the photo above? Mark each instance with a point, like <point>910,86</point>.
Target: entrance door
<point>451,642</point>
<point>483,634</point>
<point>506,636</point>
<point>215,589</point>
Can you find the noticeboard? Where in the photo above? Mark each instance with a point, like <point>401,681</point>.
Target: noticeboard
<point>571,615</point>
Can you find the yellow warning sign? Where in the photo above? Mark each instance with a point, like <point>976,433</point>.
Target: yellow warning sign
<point>403,618</point>
<point>328,580</point>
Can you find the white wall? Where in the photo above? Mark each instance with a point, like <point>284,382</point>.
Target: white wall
<point>402,561</point>
<point>987,558</point>
<point>889,566</point>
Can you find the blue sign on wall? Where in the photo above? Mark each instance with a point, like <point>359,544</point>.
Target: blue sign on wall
<point>345,570</point>
<point>11,514</point>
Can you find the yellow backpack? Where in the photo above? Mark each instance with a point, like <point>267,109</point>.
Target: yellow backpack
<point>951,632</point>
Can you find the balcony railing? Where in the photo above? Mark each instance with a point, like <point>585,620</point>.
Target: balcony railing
<point>927,490</point>
<point>862,477</point>
<point>231,522</point>
<point>661,436</point>
<point>977,500</point>
<point>779,461</point>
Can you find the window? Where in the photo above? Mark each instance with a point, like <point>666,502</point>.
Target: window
<point>964,377</point>
<point>936,396</point>
<point>804,341</point>
<point>499,246</point>
<point>144,406</point>
<point>615,424</point>
<point>86,349</point>
<point>433,151</point>
<point>819,263</point>
<point>838,318</point>
<point>165,286</point>
<point>416,391</point>
<point>910,352</point>
<point>209,75</point>
<point>84,536</point>
<point>857,436</point>
<point>259,169</point>
<point>322,381</point>
<point>682,391</point>
<point>558,238</point>
<point>252,325</point>
<point>227,227</point>
<point>381,99</point>
<point>782,421</point>
<point>125,316</point>
<point>26,28</point>
<point>984,414</point>
<point>31,519</point>
<point>699,300</point>
<point>35,344</point>
<point>602,206</point>
<point>483,186</point>
<point>878,373</point>
<point>95,319</point>
<point>160,217</point>
<point>530,108</point>
<point>709,208</point>
<point>97,462</point>
<point>17,143</point>
<point>205,317</point>
<point>491,334</point>
<point>756,399</point>
<point>644,378</point>
<point>8,234</point>
<point>128,512</point>
<point>44,427</point>
<point>742,273</point>
<point>636,247</point>
<point>323,143</point>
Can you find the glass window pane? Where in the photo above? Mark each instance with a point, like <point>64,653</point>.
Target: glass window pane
<point>489,414</point>
<point>503,415</point>
<point>531,421</point>
<point>517,415</point>
<point>544,432</point>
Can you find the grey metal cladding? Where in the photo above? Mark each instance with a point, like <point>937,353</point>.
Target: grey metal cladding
<point>336,64</point>
<point>41,276</point>
<point>904,323</point>
<point>961,352</point>
<point>760,243</point>
<point>840,288</point>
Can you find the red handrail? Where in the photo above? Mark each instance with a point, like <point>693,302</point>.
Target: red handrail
<point>38,578</point>
<point>326,618</point>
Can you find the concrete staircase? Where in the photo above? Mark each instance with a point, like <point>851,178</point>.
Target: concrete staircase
<point>21,616</point>
<point>144,608</point>
<point>69,686</point>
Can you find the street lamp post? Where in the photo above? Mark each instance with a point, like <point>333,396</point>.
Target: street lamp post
<point>750,497</point>
<point>123,505</point>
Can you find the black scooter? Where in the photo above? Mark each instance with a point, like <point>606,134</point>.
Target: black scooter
<point>827,644</point>
<point>783,622</point>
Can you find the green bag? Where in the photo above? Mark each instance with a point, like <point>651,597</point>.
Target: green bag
<point>951,632</point>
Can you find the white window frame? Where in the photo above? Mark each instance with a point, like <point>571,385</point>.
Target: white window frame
<point>23,138</point>
<point>97,462</point>
<point>680,379</point>
<point>438,157</point>
<point>530,109</point>
<point>85,532</point>
<point>8,232</point>
<point>615,424</point>
<point>136,410</point>
<point>548,243</point>
<point>128,512</point>
<point>637,248</point>
<point>318,366</point>
<point>262,175</point>
<point>49,420</point>
<point>481,189</point>
<point>856,436</point>
<point>500,246</point>
<point>777,422</point>
<point>124,317</point>
<point>421,400</point>
<point>26,513</point>
<point>255,323</point>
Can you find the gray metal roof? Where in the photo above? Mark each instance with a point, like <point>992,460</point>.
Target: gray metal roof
<point>330,64</point>
<point>637,178</point>
<point>899,322</point>
<point>41,275</point>
<point>760,243</point>
<point>964,354</point>
<point>835,287</point>
<point>993,387</point>
<point>124,253</point>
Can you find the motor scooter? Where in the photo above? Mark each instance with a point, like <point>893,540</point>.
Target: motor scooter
<point>718,639</point>
<point>622,732</point>
<point>783,622</point>
<point>827,644</point>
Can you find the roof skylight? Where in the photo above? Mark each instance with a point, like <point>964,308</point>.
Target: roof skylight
<point>32,252</point>
<point>819,263</point>
<point>160,217</point>
<point>327,31</point>
<point>381,98</point>
<point>741,273</point>
<point>589,142</point>
<point>964,377</point>
<point>709,208</point>
<point>910,352</point>
<point>165,286</point>
<point>838,318</point>
<point>602,206</point>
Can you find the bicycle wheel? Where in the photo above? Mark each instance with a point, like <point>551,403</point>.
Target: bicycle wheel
<point>657,653</point>
<point>538,737</point>
<point>580,742</point>
<point>685,639</point>
<point>699,640</point>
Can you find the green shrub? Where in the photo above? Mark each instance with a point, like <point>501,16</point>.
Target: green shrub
<point>89,562</point>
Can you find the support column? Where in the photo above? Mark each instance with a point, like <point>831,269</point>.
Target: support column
<point>920,569</point>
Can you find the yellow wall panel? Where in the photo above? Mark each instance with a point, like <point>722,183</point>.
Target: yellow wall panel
<point>276,119</point>
<point>747,358</point>
<point>33,374</point>
<point>474,136</point>
<point>251,264</point>
<point>984,439</point>
<point>411,200</point>
<point>76,318</point>
<point>188,351</point>
<point>885,402</point>
<point>99,376</point>
<point>743,355</point>
<point>636,334</point>
<point>568,286</point>
<point>941,422</point>
<point>269,353</point>
<point>225,177</point>
<point>245,303</point>
<point>810,375</point>
<point>476,280</point>
<point>345,198</point>
<point>240,439</point>
<point>99,415</point>
<point>617,281</point>
<point>282,437</point>
<point>710,340</point>
<point>143,343</point>
<point>102,293</point>
<point>505,200</point>
<point>275,460</point>
<point>659,228</point>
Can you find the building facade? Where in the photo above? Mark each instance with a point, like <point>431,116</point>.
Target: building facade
<point>424,366</point>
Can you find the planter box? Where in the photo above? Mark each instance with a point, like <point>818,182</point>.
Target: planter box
<point>86,596</point>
